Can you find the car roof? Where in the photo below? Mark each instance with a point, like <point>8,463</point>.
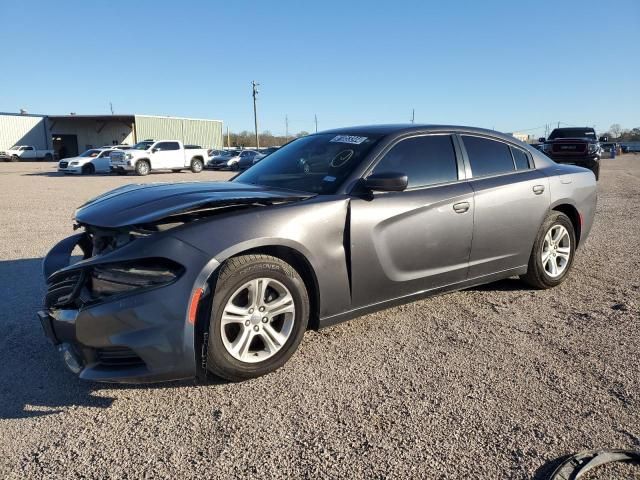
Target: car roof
<point>400,129</point>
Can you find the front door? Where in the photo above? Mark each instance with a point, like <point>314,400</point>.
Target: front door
<point>417,240</point>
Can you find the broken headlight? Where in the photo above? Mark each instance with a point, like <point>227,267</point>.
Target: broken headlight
<point>114,279</point>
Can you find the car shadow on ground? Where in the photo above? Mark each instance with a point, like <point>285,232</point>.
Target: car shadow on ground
<point>507,285</point>
<point>35,381</point>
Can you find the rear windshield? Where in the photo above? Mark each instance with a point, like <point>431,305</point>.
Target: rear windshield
<point>573,133</point>
<point>317,163</point>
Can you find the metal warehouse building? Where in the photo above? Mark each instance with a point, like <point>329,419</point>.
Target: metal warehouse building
<point>70,135</point>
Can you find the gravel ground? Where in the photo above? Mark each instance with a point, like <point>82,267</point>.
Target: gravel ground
<point>492,382</point>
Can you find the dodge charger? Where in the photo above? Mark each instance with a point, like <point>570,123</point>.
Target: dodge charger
<point>168,281</point>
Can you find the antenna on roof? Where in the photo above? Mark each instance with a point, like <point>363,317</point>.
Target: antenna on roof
<point>111,107</point>
<point>413,115</point>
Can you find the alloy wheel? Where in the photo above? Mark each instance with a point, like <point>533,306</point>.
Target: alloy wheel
<point>257,320</point>
<point>556,251</point>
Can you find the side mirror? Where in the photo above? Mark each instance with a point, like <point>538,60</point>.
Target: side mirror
<point>386,182</point>
<point>541,139</point>
<point>154,150</point>
<point>603,139</point>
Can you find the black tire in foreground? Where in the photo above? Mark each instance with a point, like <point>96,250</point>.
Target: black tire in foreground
<point>234,275</point>
<point>553,252</point>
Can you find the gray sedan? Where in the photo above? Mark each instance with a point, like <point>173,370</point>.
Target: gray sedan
<point>179,280</point>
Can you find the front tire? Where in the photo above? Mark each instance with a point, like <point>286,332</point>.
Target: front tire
<point>88,169</point>
<point>259,315</point>
<point>142,167</point>
<point>553,252</point>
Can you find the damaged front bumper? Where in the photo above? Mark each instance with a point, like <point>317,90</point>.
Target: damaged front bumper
<point>141,335</point>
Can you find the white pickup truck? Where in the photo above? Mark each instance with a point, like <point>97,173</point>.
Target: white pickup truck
<point>150,155</point>
<point>25,152</point>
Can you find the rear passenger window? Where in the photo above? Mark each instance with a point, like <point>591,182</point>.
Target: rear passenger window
<point>488,157</point>
<point>521,158</point>
<point>426,160</point>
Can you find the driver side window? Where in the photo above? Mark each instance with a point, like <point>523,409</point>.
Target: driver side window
<point>426,160</point>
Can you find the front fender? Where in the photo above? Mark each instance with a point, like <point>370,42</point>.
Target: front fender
<point>315,228</point>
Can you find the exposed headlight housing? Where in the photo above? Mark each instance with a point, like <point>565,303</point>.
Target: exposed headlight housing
<point>114,279</point>
<point>128,156</point>
<point>594,147</point>
<point>547,147</point>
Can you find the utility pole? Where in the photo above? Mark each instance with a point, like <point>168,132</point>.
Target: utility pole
<point>111,107</point>
<point>286,129</point>
<point>255,113</point>
<point>558,124</point>
<point>228,138</point>
<point>413,115</point>
<point>316,120</point>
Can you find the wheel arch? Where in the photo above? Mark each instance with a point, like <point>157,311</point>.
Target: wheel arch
<point>572,212</point>
<point>301,264</point>
<point>293,257</point>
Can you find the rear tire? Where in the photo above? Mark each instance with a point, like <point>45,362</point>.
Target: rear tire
<point>142,167</point>
<point>196,165</point>
<point>553,252</point>
<point>272,337</point>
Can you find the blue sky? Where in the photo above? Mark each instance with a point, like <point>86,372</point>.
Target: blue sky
<point>498,64</point>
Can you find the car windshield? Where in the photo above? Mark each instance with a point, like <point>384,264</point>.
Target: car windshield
<point>317,163</point>
<point>16,147</point>
<point>142,145</point>
<point>573,133</point>
<point>91,153</point>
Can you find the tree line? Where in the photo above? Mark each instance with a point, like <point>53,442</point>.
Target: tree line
<point>619,134</point>
<point>247,139</point>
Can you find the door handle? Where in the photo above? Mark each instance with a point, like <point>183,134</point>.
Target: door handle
<point>538,189</point>
<point>461,207</point>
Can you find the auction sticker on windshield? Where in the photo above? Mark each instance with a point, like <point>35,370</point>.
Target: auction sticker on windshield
<point>352,139</point>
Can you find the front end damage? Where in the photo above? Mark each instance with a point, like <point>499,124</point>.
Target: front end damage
<point>118,302</point>
<point>119,312</point>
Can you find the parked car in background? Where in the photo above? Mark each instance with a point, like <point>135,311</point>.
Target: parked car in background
<point>268,150</point>
<point>625,148</point>
<point>148,155</point>
<point>95,160</point>
<point>577,146</point>
<point>537,146</point>
<point>248,158</point>
<point>213,152</point>
<point>117,147</point>
<point>26,152</point>
<point>182,279</point>
<point>228,159</point>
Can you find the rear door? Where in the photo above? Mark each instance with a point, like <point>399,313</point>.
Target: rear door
<point>511,200</point>
<point>415,240</point>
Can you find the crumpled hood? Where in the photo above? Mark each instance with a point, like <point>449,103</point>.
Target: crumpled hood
<point>144,203</point>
